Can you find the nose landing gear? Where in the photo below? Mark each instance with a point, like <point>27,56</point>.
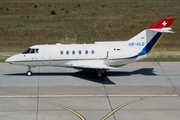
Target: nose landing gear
<point>29,73</point>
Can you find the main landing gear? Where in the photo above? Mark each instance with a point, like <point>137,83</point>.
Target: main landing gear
<point>100,72</point>
<point>29,73</point>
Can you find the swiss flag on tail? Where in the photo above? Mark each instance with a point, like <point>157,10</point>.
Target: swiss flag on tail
<point>163,23</point>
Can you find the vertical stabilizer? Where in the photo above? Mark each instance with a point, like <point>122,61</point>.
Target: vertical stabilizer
<point>147,40</point>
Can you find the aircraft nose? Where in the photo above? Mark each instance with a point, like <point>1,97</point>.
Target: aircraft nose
<point>12,59</point>
<point>9,60</point>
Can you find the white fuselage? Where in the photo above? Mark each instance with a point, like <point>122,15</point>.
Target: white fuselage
<point>102,54</point>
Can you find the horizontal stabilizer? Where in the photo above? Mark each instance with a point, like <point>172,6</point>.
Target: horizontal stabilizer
<point>166,30</point>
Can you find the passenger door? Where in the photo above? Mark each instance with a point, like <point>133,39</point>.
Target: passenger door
<point>46,58</point>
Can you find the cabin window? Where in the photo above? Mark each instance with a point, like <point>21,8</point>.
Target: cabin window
<point>61,52</point>
<point>92,51</point>
<point>67,52</point>
<point>86,51</point>
<point>73,52</point>
<point>80,52</point>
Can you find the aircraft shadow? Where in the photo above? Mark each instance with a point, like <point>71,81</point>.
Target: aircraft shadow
<point>142,71</point>
<point>84,75</point>
<point>88,75</point>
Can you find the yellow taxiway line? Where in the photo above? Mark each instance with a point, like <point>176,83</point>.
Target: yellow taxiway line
<point>48,102</point>
<point>133,101</point>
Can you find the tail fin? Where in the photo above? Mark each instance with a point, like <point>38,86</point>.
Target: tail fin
<point>163,23</point>
<point>147,40</point>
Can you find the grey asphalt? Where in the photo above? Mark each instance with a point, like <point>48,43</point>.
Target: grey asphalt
<point>138,91</point>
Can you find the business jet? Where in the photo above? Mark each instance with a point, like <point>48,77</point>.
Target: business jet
<point>99,57</point>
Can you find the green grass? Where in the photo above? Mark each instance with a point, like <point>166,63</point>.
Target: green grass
<point>53,12</point>
<point>163,58</point>
<point>23,24</point>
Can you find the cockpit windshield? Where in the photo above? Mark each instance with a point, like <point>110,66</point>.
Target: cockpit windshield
<point>31,51</point>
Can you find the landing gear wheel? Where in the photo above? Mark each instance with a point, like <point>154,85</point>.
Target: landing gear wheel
<point>29,73</point>
<point>99,74</point>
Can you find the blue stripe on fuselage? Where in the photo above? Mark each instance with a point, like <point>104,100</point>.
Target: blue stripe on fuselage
<point>150,45</point>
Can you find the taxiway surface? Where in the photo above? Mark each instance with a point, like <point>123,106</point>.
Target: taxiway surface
<point>142,90</point>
